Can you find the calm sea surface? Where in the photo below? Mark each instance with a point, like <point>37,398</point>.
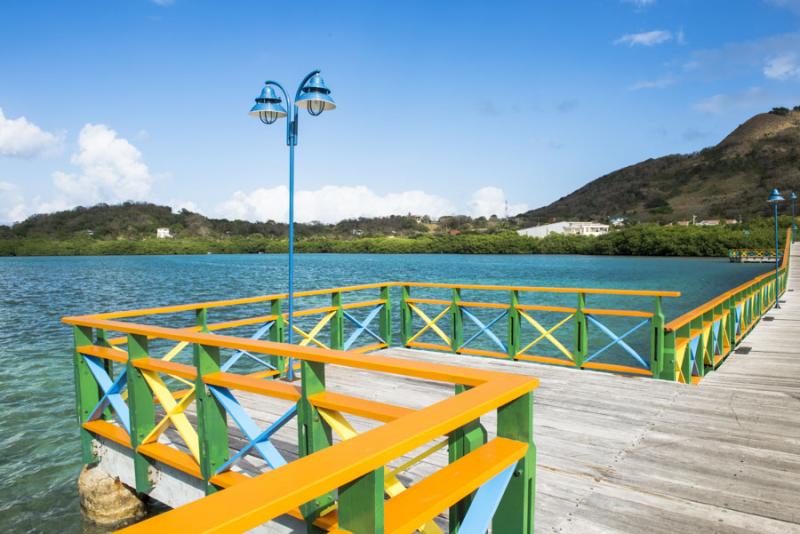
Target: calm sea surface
<point>39,453</point>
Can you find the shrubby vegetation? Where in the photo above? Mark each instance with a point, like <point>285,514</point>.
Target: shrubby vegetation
<point>640,240</point>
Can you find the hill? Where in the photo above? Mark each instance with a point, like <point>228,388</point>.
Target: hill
<point>139,220</point>
<point>729,180</point>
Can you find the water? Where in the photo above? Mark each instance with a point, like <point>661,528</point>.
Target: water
<point>38,439</point>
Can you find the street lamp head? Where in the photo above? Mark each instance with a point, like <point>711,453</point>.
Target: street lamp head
<point>268,106</point>
<point>775,197</point>
<point>315,96</point>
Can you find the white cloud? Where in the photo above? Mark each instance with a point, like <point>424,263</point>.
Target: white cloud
<point>722,103</point>
<point>650,38</point>
<point>782,67</point>
<point>12,204</point>
<point>792,5</point>
<point>163,3</point>
<point>488,201</point>
<point>767,56</point>
<point>659,83</point>
<point>640,3</point>
<point>110,169</point>
<point>330,204</point>
<point>20,138</point>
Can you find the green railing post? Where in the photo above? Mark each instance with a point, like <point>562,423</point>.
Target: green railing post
<point>277,333</point>
<point>457,334</point>
<point>385,316</point>
<point>87,393</point>
<point>516,510</point>
<point>581,332</point>
<point>657,340</point>
<point>514,326</point>
<point>707,341</point>
<point>730,326</point>
<point>406,319</point>
<point>313,434</point>
<point>212,425</point>
<point>142,409</point>
<point>461,442</point>
<point>667,365</point>
<point>718,309</point>
<point>337,322</point>
<point>685,332</point>
<point>361,504</point>
<point>108,365</point>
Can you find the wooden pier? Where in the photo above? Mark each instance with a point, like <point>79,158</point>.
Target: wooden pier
<point>701,435</point>
<point>614,453</point>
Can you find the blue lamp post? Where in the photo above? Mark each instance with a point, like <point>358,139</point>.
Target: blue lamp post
<point>793,198</point>
<point>775,198</point>
<point>314,96</point>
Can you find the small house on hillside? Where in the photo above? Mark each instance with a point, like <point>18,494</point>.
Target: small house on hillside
<point>163,233</point>
<point>566,228</point>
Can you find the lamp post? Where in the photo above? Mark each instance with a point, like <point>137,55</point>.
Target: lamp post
<point>793,198</point>
<point>314,96</point>
<point>775,198</point>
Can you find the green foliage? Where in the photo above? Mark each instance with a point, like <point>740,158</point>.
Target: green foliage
<point>139,220</point>
<point>638,240</point>
<point>782,111</point>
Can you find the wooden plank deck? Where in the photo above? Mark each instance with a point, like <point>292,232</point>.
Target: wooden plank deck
<point>622,454</point>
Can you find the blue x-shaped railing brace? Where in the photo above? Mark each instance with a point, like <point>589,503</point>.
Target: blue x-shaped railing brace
<point>617,340</point>
<point>112,392</point>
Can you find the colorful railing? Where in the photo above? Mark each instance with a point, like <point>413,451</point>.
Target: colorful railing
<point>701,339</point>
<point>752,255</point>
<point>531,330</point>
<point>131,396</point>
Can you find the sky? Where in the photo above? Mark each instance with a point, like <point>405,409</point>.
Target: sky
<point>442,107</point>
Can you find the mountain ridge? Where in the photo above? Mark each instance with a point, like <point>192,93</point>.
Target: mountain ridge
<point>729,180</point>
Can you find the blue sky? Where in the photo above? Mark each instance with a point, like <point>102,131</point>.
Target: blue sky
<point>442,106</point>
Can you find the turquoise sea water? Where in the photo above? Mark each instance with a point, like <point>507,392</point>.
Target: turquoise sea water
<point>39,453</point>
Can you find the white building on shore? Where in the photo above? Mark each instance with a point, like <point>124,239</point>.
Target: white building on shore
<point>566,228</point>
<point>163,233</point>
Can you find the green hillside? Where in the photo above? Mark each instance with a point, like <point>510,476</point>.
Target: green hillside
<point>729,180</point>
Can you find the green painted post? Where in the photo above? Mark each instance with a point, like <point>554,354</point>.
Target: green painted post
<point>730,304</point>
<point>516,510</point>
<point>108,365</point>
<point>277,334</point>
<point>337,323</point>
<point>212,425</point>
<point>514,326</point>
<point>313,434</point>
<point>142,409</point>
<point>685,332</point>
<point>457,325</point>
<point>406,319</point>
<point>461,442</point>
<point>385,316</point>
<point>581,332</point>
<point>718,309</point>
<point>361,504</point>
<point>657,340</point>
<point>668,362</point>
<point>87,393</point>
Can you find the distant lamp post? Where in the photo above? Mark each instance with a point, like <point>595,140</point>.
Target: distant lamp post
<point>314,96</point>
<point>775,198</point>
<point>793,198</point>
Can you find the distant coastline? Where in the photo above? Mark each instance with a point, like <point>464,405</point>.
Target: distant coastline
<point>639,240</point>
